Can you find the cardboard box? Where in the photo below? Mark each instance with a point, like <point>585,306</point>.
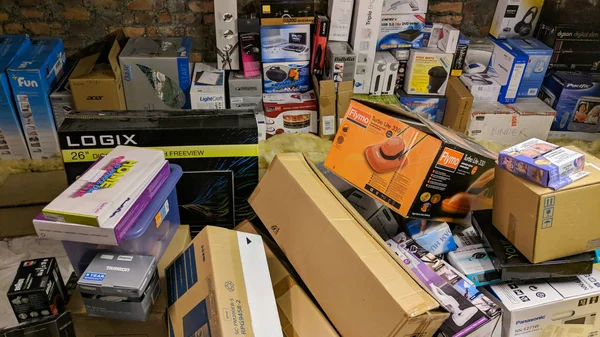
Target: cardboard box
<point>448,39</point>
<point>340,62</point>
<point>515,19</point>
<point>479,55</point>
<point>61,326</point>
<point>401,31</point>
<point>249,33</point>
<point>319,36</point>
<point>277,13</point>
<point>458,109</point>
<point>32,74</point>
<point>507,67</point>
<point>482,86</point>
<point>242,86</point>
<point>363,37</point>
<point>326,97</point>
<point>291,113</point>
<point>61,97</point>
<point>539,59</point>
<point>427,71</point>
<point>462,48</point>
<point>286,77</point>
<point>285,43</point>
<point>299,315</point>
<point>208,88</point>
<point>156,73</point>
<point>339,29</point>
<point>343,247</point>
<point>430,107</point>
<point>404,6</point>
<point>545,217</point>
<point>96,82</point>
<point>221,283</point>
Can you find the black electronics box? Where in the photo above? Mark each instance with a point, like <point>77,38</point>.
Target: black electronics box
<point>513,266</point>
<point>61,326</point>
<point>583,61</point>
<point>217,150</point>
<point>294,12</point>
<point>38,290</point>
<point>576,46</point>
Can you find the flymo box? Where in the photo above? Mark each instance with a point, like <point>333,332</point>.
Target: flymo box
<point>507,67</point>
<point>208,87</point>
<point>539,59</point>
<point>363,39</point>
<point>435,175</point>
<point>220,286</point>
<point>516,19</point>
<point>12,141</point>
<point>31,76</point>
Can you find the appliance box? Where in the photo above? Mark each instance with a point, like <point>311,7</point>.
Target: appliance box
<point>479,55</point>
<point>482,86</point>
<point>363,39</point>
<point>516,19</point>
<point>250,46</point>
<point>427,72</point>
<point>569,37</point>
<point>285,43</point>
<point>320,33</point>
<point>286,77</point>
<point>54,326</point>
<point>401,31</point>
<point>462,48</point>
<point>535,71</point>
<point>507,67</point>
<point>291,113</point>
<point>448,39</point>
<point>430,107</point>
<point>287,12</point>
<point>379,74</point>
<point>340,62</point>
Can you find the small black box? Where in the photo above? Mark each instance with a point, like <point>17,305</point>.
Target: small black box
<point>61,326</point>
<point>38,290</point>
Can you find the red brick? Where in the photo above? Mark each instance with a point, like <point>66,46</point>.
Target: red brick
<point>101,3</point>
<point>453,20</point>
<point>128,18</point>
<point>444,7</point>
<point>73,43</point>
<point>164,17</point>
<point>152,31</point>
<point>32,13</point>
<point>140,5</point>
<point>144,18</point>
<point>76,13</point>
<point>3,17</point>
<point>13,28</point>
<point>113,29</point>
<point>28,3</point>
<point>171,31</point>
<point>56,29</point>
<point>208,18</point>
<point>186,17</point>
<point>202,6</point>
<point>133,31</point>
<point>38,28</point>
<point>159,4</point>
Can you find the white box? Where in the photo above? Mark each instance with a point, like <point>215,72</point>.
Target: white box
<point>226,30</point>
<point>340,16</point>
<point>379,74</point>
<point>531,306</point>
<point>482,86</point>
<point>363,38</point>
<point>516,18</point>
<point>245,103</point>
<point>431,34</point>
<point>427,72</point>
<point>208,88</point>
<point>261,124</point>
<point>391,74</point>
<point>448,39</point>
<point>401,31</point>
<point>507,68</point>
<point>404,6</point>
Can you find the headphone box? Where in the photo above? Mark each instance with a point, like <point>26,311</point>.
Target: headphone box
<point>401,31</point>
<point>285,43</point>
<point>507,67</point>
<point>340,14</point>
<point>291,113</point>
<point>282,77</point>
<point>539,59</point>
<point>483,87</point>
<point>427,71</point>
<point>340,62</point>
<point>405,6</point>
<point>515,19</point>
<point>363,37</point>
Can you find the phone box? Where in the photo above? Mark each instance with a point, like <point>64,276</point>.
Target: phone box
<point>287,12</point>
<point>32,74</point>
<point>539,59</point>
<point>120,286</point>
<point>389,83</point>
<point>379,74</point>
<point>61,97</point>
<point>286,77</point>
<point>340,62</point>
<point>431,34</point>
<point>320,33</point>
<point>530,307</point>
<point>427,72</point>
<point>249,33</point>
<point>448,39</point>
<point>479,55</point>
<point>435,237</point>
<point>507,67</point>
<point>458,63</point>
<point>37,290</point>
<point>156,73</point>
<point>215,149</point>
<point>482,86</point>
<point>217,267</point>
<point>242,86</point>
<point>285,43</point>
<point>570,94</point>
<point>291,113</point>
<point>458,109</point>
<point>208,88</point>
<point>401,31</point>
<point>12,140</point>
<point>516,19</point>
<point>340,14</point>
<point>430,107</point>
<point>405,6</point>
<point>402,57</point>
<point>60,326</point>
<point>393,161</point>
<point>363,39</point>
<point>546,216</point>
<point>326,98</point>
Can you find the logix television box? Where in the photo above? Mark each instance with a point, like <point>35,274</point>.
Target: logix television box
<point>217,150</point>
<point>156,73</point>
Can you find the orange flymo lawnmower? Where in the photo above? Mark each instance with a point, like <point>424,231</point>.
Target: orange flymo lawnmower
<point>389,155</point>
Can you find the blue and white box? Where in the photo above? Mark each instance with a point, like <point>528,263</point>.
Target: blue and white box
<point>430,107</point>
<point>12,140</point>
<point>208,89</point>
<point>291,76</point>
<point>32,75</point>
<point>435,237</point>
<point>285,43</point>
<point>539,59</point>
<point>401,31</point>
<point>507,67</point>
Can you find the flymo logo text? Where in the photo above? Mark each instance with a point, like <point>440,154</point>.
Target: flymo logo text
<point>449,160</point>
<point>359,117</point>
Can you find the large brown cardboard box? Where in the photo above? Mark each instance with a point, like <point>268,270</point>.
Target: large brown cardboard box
<point>344,95</point>
<point>299,315</point>
<point>545,224</point>
<point>458,108</point>
<point>325,91</point>
<point>358,281</point>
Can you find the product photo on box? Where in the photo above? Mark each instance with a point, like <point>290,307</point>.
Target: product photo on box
<point>363,39</point>
<point>507,67</point>
<point>340,62</point>
<point>402,31</point>
<point>208,88</point>
<point>516,19</point>
<point>340,14</point>
<point>430,107</point>
<point>278,13</point>
<point>290,113</point>
<point>427,71</point>
<point>249,30</point>
<point>535,71</point>
<point>292,76</point>
<point>285,43</point>
<point>404,6</point>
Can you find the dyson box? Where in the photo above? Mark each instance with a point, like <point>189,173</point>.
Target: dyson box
<point>32,75</point>
<point>539,59</point>
<point>430,107</point>
<point>363,39</point>
<point>293,76</point>
<point>285,43</point>
<point>507,67</point>
<point>569,37</point>
<point>401,31</point>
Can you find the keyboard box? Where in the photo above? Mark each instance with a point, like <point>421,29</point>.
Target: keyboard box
<point>285,43</point>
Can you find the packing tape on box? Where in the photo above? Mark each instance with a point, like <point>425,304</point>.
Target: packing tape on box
<point>286,325</point>
<point>284,286</point>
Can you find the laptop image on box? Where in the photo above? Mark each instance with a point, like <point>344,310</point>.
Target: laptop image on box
<point>297,43</point>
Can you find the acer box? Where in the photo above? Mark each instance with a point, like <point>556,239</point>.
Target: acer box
<point>418,168</point>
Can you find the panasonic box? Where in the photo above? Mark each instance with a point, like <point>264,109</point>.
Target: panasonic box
<point>217,150</point>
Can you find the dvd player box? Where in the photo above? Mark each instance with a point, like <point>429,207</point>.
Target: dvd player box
<point>401,31</point>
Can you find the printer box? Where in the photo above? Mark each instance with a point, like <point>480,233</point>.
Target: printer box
<point>340,16</point>
<point>363,39</point>
<point>507,67</point>
<point>340,62</point>
<point>12,140</point>
<point>61,97</point>
<point>59,326</point>
<point>286,77</point>
<point>221,283</point>
<point>430,107</point>
<point>37,290</point>
<point>516,19</point>
<point>285,43</point>
<point>156,73</point>
<point>539,59</point>
<point>208,88</point>
<point>401,31</point>
<point>242,86</point>
<point>287,12</point>
<point>427,71</point>
<point>405,6</point>
<point>291,113</point>
<point>32,75</point>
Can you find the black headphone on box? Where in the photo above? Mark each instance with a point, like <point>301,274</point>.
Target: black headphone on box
<point>523,27</point>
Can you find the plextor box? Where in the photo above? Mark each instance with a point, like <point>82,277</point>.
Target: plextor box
<point>60,326</point>
<point>38,290</point>
<point>220,285</point>
<point>217,150</point>
<point>404,6</point>
<point>363,39</point>
<point>427,71</point>
<point>96,82</point>
<point>286,77</point>
<point>507,67</point>
<point>289,12</point>
<point>208,88</point>
<point>242,86</point>
<point>515,19</point>
<point>156,73</point>
<point>539,59</point>
<point>31,76</point>
<point>339,29</point>
<point>285,43</point>
<point>12,141</point>
<point>401,31</point>
<point>340,62</point>
<point>120,286</point>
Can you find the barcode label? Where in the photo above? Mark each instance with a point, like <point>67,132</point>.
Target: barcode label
<point>532,92</point>
<point>328,125</point>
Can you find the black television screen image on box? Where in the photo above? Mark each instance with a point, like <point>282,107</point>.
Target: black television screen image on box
<point>222,144</point>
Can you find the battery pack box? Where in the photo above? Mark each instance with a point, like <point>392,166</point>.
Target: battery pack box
<point>38,290</point>
<point>285,43</point>
<point>427,72</point>
<point>363,39</point>
<point>156,73</point>
<point>291,113</point>
<point>401,31</point>
<point>507,67</point>
<point>285,77</point>
<point>32,74</point>
<point>217,150</point>
<point>340,62</point>
<point>516,19</point>
<point>208,88</point>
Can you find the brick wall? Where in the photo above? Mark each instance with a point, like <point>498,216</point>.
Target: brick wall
<point>82,22</point>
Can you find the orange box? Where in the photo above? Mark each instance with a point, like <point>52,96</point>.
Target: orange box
<point>415,166</point>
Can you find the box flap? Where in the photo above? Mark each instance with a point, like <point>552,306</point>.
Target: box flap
<point>85,66</point>
<point>113,54</point>
<point>577,285</point>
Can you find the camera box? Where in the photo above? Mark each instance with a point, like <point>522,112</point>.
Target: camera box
<point>516,19</point>
<point>37,290</point>
<point>460,55</point>
<point>435,237</point>
<point>285,43</point>
<point>340,14</point>
<point>320,33</point>
<point>32,74</point>
<point>12,140</point>
<point>120,286</point>
<point>539,59</point>
<point>156,73</point>
<point>401,31</point>
<point>296,12</point>
<point>427,72</point>
<point>574,97</point>
<point>391,75</point>
<point>482,86</point>
<point>430,107</point>
<point>405,6</point>
<point>479,55</point>
<point>379,74</point>
<point>208,88</point>
<point>363,39</point>
<point>61,97</point>
<point>284,77</point>
<point>291,113</point>
<point>340,62</point>
<point>249,33</point>
<point>448,39</point>
<point>242,86</point>
<point>507,67</point>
